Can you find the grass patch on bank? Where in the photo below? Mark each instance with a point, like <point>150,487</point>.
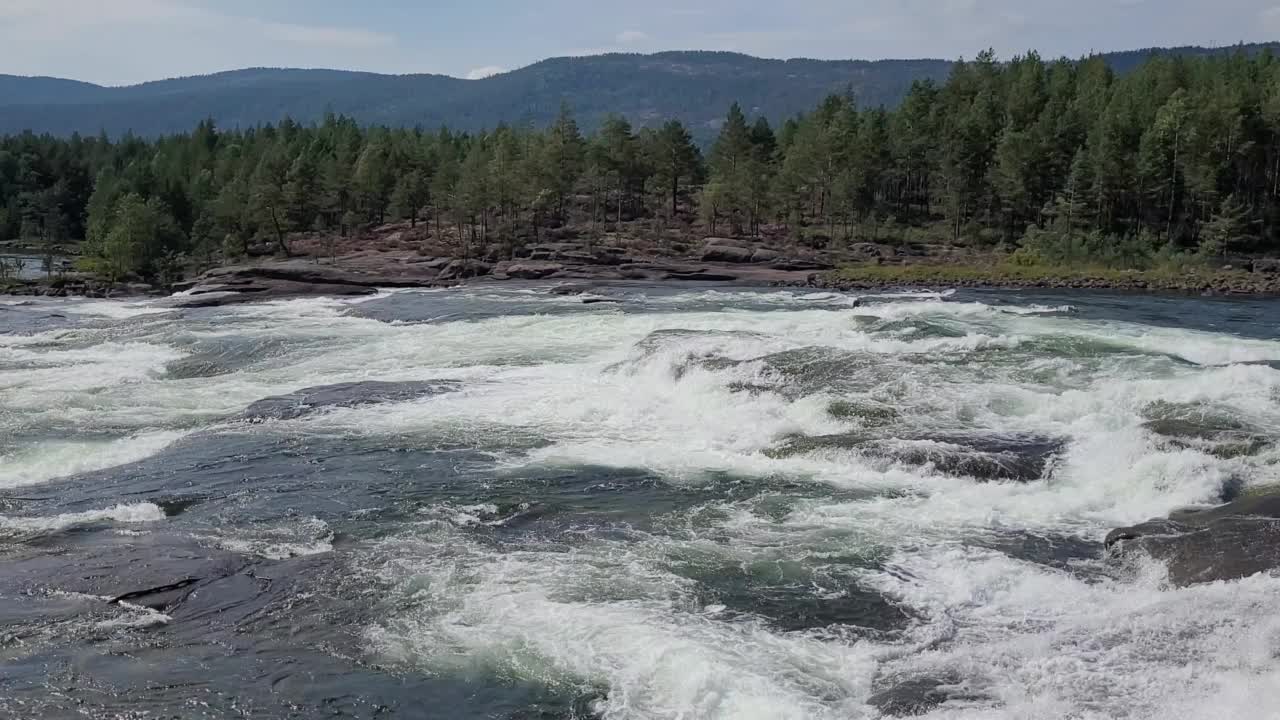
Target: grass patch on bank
<point>1009,273</point>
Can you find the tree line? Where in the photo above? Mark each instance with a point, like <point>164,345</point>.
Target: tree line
<point>1058,161</point>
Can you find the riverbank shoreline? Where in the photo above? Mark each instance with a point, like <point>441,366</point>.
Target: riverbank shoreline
<point>277,278</point>
<point>1196,282</point>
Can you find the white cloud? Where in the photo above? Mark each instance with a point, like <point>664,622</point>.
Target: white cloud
<point>632,37</point>
<point>481,73</point>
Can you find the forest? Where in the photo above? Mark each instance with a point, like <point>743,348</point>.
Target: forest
<point>1056,162</point>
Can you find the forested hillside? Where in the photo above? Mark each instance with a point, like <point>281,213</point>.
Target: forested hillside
<point>1059,162</point>
<point>647,90</point>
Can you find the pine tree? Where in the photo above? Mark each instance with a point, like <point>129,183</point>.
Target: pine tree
<point>731,165</point>
<point>302,193</point>
<point>564,156</point>
<point>1228,230</point>
<point>674,158</point>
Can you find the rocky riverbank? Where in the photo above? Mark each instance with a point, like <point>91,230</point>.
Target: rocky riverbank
<point>76,286</point>
<point>395,257</point>
<point>360,274</point>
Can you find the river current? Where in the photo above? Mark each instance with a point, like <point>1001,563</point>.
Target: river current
<point>670,502</point>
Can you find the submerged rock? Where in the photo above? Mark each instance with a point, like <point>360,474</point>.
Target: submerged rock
<point>1228,542</point>
<point>1215,434</point>
<point>912,697</point>
<point>870,414</point>
<point>1021,458</point>
<point>302,402</point>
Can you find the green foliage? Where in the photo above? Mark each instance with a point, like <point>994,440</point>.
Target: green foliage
<point>139,237</point>
<point>1176,162</point>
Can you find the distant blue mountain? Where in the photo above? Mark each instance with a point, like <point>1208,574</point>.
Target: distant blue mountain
<point>695,87</point>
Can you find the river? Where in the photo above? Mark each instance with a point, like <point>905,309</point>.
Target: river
<point>678,502</point>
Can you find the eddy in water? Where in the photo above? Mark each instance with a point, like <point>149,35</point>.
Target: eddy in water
<point>501,502</point>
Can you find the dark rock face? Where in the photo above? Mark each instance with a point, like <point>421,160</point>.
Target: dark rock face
<point>1229,542</point>
<point>302,402</point>
<point>1001,457</point>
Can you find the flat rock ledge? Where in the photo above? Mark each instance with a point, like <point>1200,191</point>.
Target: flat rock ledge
<point>240,284</point>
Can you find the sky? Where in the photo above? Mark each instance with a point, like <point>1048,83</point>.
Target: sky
<point>117,42</point>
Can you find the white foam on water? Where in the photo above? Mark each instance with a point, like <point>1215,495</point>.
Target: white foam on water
<point>82,369</point>
<point>705,406</point>
<point>41,462</point>
<point>311,536</point>
<point>591,618</point>
<point>115,309</point>
<point>1043,643</point>
<point>1028,641</point>
<point>123,513</point>
<point>140,619</point>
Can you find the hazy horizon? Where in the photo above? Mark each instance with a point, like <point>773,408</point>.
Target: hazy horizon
<point>1103,51</point>
<point>133,41</point>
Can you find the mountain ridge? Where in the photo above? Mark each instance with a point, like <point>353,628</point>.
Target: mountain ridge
<point>692,86</point>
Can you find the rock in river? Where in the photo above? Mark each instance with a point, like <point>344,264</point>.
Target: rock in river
<point>1022,458</point>
<point>1228,542</point>
<point>232,285</point>
<point>302,402</point>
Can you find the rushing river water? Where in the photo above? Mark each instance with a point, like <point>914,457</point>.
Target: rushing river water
<point>498,502</point>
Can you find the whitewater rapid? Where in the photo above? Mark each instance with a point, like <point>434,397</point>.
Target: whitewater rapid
<point>608,510</point>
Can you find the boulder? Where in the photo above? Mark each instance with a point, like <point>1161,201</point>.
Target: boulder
<point>528,269</point>
<point>763,255</point>
<point>461,269</point>
<point>910,250</point>
<point>1228,542</point>
<point>727,254</point>
<point>1269,266</point>
<point>722,242</point>
<point>865,251</point>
